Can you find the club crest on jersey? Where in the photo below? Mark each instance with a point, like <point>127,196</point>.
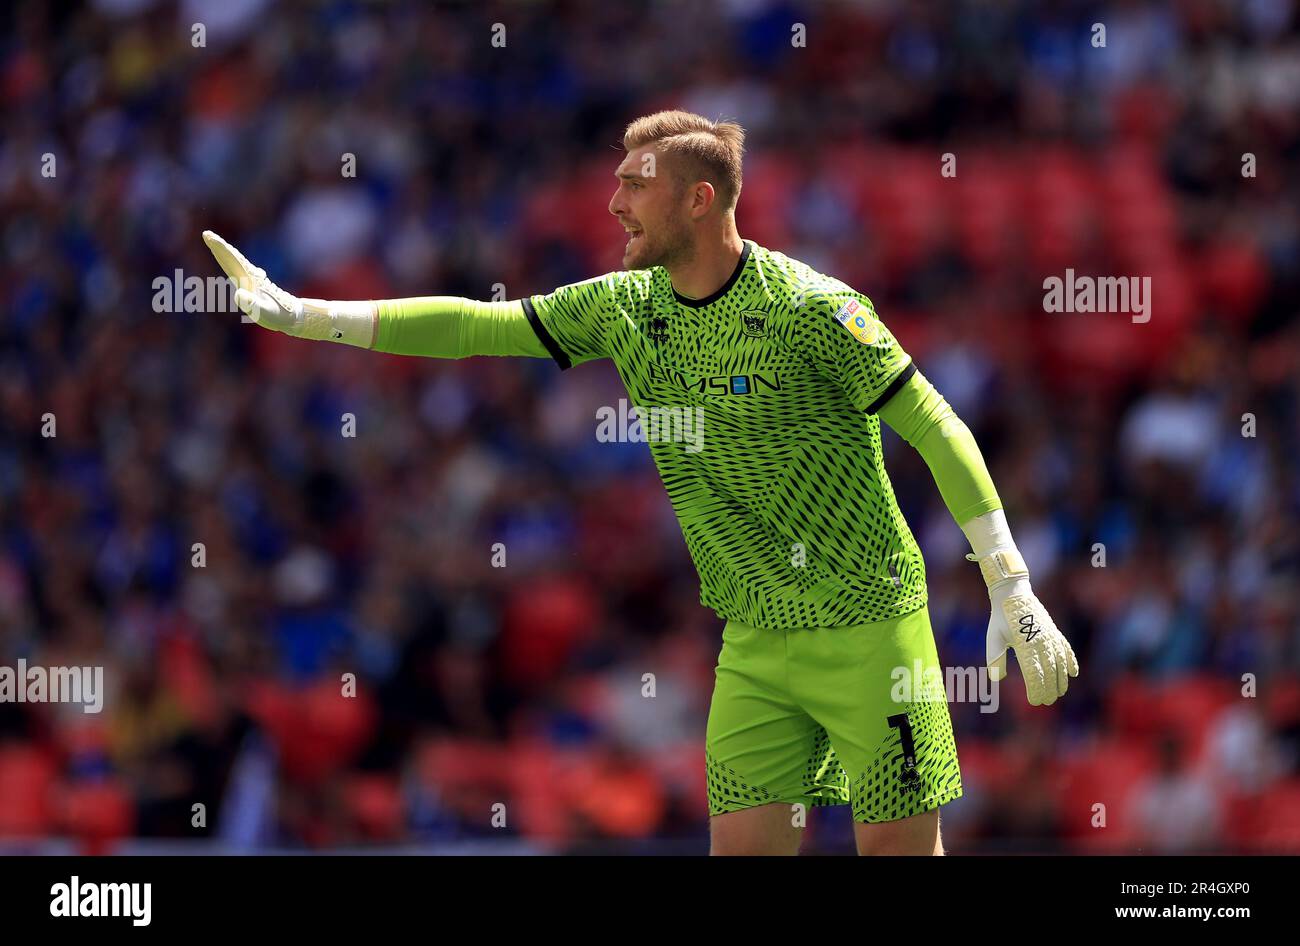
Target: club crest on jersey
<point>754,323</point>
<point>858,319</point>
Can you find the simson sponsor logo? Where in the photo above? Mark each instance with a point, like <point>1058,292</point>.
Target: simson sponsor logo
<point>721,384</point>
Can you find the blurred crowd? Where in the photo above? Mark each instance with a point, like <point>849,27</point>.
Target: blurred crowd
<point>304,625</point>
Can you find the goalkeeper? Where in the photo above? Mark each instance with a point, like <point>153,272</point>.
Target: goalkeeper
<point>787,511</point>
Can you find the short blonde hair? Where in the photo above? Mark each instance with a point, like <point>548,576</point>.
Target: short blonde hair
<point>712,151</point>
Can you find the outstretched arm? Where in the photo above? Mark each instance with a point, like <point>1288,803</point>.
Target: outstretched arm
<point>924,419</point>
<point>434,326</point>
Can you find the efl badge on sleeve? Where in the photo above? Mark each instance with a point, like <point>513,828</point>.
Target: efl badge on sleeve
<point>859,320</point>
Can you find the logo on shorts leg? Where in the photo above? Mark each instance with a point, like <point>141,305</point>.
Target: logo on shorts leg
<point>909,779</point>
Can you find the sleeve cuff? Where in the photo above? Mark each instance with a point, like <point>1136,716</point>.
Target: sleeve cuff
<point>548,342</point>
<point>894,387</point>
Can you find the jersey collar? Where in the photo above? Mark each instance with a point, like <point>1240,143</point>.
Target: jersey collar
<point>723,289</point>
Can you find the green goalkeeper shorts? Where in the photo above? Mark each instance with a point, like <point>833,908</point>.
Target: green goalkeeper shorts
<point>827,716</point>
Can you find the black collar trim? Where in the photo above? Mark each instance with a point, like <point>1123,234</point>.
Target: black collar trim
<point>725,288</point>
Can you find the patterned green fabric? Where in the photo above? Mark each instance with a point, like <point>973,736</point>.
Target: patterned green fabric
<point>782,493</point>
<point>816,716</point>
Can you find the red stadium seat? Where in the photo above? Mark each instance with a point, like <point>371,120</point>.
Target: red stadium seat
<point>98,814</point>
<point>374,803</point>
<point>1184,708</point>
<point>1282,699</point>
<point>1133,708</point>
<point>1187,707</point>
<point>189,677</point>
<point>536,788</point>
<point>1233,277</point>
<point>1106,773</point>
<point>544,623</point>
<point>27,782</point>
<point>986,764</point>
<point>1276,826</point>
<point>316,731</point>
<point>615,795</point>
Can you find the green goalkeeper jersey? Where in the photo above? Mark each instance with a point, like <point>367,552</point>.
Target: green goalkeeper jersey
<point>759,405</point>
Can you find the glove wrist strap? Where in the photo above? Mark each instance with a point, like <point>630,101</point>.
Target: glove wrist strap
<point>1001,566</point>
<point>990,537</point>
<point>350,323</point>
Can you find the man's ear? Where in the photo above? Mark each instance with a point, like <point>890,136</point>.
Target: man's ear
<point>702,197</point>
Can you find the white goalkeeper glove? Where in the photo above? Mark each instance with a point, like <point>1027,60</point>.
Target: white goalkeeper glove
<point>352,323</point>
<point>1019,620</point>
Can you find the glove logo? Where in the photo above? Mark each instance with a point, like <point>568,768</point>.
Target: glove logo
<point>1027,627</point>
